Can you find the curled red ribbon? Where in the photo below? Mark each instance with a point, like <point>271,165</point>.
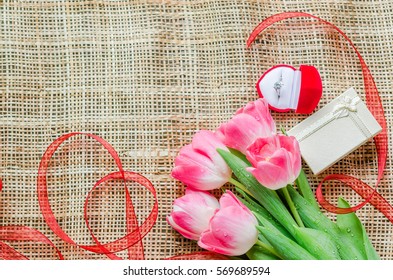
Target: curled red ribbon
<point>374,104</point>
<point>21,233</point>
<point>132,241</point>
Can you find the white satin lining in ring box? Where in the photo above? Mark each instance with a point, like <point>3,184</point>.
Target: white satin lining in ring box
<point>335,131</point>
<point>285,88</point>
<point>287,95</point>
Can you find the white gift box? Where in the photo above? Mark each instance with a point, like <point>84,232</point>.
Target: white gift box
<point>334,131</point>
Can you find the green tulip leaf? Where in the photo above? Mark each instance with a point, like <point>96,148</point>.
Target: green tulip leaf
<point>284,247</point>
<point>312,218</point>
<point>318,243</point>
<point>371,253</point>
<point>259,253</point>
<point>269,222</point>
<point>305,189</point>
<point>315,219</point>
<point>351,226</point>
<point>238,154</point>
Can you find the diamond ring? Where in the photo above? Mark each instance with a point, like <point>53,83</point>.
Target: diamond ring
<point>278,85</point>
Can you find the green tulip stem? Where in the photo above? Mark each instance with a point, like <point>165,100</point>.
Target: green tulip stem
<point>240,186</point>
<point>268,248</point>
<point>292,207</point>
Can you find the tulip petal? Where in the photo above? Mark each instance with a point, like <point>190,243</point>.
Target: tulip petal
<point>250,122</point>
<point>206,143</point>
<point>242,130</point>
<point>228,236</point>
<point>189,223</point>
<point>197,177</point>
<point>188,156</point>
<point>259,110</point>
<point>229,200</point>
<point>261,149</point>
<point>199,165</point>
<point>205,198</point>
<point>192,213</point>
<point>187,234</point>
<point>290,144</point>
<point>276,160</point>
<point>269,175</point>
<point>220,132</point>
<point>209,242</point>
<point>232,229</point>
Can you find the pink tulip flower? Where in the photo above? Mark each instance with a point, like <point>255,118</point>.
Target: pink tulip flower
<point>199,165</point>
<point>232,230</point>
<point>249,123</point>
<point>276,160</point>
<point>192,212</point>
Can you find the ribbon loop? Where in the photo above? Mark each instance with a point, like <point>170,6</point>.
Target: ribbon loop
<point>132,241</point>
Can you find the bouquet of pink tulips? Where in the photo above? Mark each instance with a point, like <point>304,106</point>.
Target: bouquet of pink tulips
<point>274,214</point>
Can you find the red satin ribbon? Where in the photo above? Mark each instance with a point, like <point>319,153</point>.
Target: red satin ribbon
<point>374,104</point>
<point>132,241</point>
<point>21,233</point>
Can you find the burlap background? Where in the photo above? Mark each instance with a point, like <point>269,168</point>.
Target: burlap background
<point>145,75</point>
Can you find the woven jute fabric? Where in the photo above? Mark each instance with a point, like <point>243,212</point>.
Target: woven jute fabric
<point>145,76</point>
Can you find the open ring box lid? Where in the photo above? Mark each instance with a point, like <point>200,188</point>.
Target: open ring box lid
<point>285,88</point>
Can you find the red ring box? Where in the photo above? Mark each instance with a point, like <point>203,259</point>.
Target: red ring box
<point>299,90</point>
